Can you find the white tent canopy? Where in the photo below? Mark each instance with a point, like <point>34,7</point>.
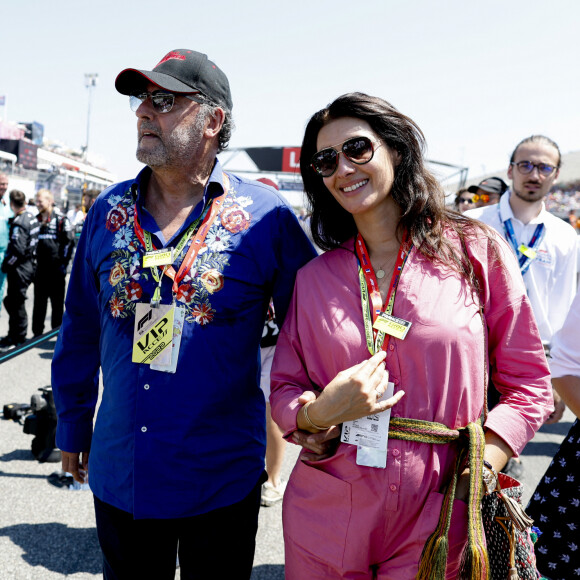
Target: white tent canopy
<point>8,157</point>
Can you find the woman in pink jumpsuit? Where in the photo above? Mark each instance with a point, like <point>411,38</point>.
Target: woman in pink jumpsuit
<point>375,204</point>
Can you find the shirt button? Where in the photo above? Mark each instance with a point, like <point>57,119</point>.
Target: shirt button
<point>144,429</point>
<point>396,452</point>
<point>396,381</point>
<point>391,347</point>
<point>393,487</point>
<point>396,415</point>
<point>146,387</point>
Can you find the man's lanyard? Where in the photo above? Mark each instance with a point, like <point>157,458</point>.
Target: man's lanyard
<point>208,215</point>
<point>525,253</point>
<point>372,304</point>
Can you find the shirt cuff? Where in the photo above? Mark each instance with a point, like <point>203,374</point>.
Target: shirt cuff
<point>74,437</point>
<point>508,424</point>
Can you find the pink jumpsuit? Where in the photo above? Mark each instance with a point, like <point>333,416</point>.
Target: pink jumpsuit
<point>342,520</point>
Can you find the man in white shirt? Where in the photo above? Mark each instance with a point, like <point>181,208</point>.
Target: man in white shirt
<point>544,244</point>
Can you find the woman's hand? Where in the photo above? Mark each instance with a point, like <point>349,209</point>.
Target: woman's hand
<point>319,445</point>
<point>352,394</point>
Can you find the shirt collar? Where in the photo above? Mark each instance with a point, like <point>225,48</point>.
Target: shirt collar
<point>214,188</point>
<point>506,212</point>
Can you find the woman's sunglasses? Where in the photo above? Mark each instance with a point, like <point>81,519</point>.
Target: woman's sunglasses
<point>359,150</point>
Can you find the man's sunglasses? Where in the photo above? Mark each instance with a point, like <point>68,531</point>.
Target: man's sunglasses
<point>480,197</point>
<point>359,150</point>
<point>526,167</point>
<point>162,102</point>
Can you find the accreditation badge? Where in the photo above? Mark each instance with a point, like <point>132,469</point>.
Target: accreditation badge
<point>370,434</point>
<point>397,327</point>
<point>154,258</point>
<point>169,363</point>
<point>153,332</point>
<point>527,251</point>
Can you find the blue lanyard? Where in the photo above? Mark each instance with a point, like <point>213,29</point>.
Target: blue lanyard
<point>534,242</point>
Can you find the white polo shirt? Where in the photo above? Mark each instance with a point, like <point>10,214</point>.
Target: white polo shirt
<point>551,277</point>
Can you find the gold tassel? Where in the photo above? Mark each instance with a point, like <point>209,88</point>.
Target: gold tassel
<point>433,561</point>
<point>471,567</point>
<point>516,512</point>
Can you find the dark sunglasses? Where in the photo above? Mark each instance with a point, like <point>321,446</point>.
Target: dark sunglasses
<point>162,102</point>
<point>465,200</point>
<point>526,167</point>
<point>359,150</point>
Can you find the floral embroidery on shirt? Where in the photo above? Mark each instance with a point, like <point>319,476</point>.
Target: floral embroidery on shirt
<point>213,280</point>
<point>202,313</point>
<point>206,276</point>
<point>235,219</point>
<point>116,218</point>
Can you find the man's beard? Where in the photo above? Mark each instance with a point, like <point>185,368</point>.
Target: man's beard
<point>177,148</point>
<point>530,197</point>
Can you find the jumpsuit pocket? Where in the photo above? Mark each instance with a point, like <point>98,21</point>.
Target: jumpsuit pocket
<point>316,513</point>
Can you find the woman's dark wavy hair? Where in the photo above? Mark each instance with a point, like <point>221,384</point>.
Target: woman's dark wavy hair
<point>415,190</point>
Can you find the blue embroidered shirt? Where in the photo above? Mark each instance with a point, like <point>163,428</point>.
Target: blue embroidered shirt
<point>174,445</point>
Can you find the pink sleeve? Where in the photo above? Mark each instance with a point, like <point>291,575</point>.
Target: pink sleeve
<point>518,365</point>
<point>289,378</point>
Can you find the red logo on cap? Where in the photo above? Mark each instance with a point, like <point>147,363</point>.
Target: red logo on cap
<point>169,56</point>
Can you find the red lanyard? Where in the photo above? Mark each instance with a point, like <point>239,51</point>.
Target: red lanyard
<point>371,287</point>
<point>196,243</point>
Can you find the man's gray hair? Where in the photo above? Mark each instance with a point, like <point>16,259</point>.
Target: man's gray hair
<point>225,134</point>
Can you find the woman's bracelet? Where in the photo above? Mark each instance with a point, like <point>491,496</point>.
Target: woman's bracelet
<point>309,421</point>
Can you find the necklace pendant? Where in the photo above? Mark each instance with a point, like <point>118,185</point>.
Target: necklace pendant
<point>380,274</point>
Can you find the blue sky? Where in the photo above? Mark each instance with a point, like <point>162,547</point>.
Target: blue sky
<point>476,76</point>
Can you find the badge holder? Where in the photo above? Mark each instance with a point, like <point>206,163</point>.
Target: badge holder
<point>158,327</point>
<point>370,434</point>
<point>169,363</point>
<point>153,332</point>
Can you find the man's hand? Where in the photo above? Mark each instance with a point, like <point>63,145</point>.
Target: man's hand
<point>76,464</point>
<point>559,408</point>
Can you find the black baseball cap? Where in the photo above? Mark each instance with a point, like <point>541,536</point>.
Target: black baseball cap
<point>491,185</point>
<point>180,71</point>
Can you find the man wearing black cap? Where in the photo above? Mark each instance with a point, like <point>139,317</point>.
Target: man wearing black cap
<point>488,191</point>
<point>168,293</point>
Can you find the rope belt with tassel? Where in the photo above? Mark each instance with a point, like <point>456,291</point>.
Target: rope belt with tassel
<point>471,440</point>
<point>474,561</point>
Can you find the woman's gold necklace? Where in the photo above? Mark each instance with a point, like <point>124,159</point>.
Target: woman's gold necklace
<point>380,273</point>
